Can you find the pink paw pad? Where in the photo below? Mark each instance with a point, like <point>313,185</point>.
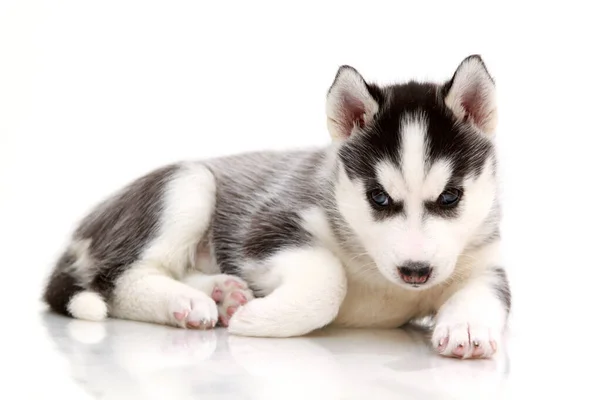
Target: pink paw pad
<point>217,294</point>
<point>478,351</point>
<point>239,297</point>
<point>230,293</point>
<point>459,350</point>
<point>231,310</point>
<point>180,316</point>
<point>193,324</point>
<point>465,341</point>
<point>442,345</point>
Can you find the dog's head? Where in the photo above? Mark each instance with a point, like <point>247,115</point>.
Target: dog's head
<point>416,183</point>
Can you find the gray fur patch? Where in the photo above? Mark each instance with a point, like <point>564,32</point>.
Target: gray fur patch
<point>502,287</point>
<point>259,198</point>
<point>123,225</point>
<point>109,240</point>
<point>272,230</point>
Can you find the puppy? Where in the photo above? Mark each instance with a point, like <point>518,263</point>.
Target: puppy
<point>395,220</point>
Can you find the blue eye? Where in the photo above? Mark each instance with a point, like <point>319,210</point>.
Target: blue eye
<point>449,198</point>
<point>380,198</point>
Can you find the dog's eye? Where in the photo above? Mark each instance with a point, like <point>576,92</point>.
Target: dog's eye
<point>449,197</point>
<point>380,198</point>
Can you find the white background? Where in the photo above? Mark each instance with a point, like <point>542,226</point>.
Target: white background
<point>93,94</point>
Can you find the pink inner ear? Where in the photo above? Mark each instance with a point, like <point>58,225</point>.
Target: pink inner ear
<point>473,104</point>
<point>353,113</point>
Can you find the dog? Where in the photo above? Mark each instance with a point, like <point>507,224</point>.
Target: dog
<point>396,219</point>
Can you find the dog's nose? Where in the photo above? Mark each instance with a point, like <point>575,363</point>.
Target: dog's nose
<point>415,272</point>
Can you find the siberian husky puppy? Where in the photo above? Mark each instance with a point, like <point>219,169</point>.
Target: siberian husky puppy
<point>395,220</point>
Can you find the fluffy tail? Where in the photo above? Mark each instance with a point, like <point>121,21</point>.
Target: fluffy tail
<point>65,295</point>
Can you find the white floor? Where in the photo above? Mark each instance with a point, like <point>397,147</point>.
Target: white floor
<point>49,355</point>
<point>121,359</point>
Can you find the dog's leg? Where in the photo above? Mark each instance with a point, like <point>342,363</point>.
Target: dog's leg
<point>146,293</point>
<point>150,290</point>
<point>309,287</point>
<point>470,323</point>
<point>228,291</point>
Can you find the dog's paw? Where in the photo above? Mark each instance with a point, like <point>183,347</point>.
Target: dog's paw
<point>230,293</point>
<point>465,339</point>
<point>193,311</point>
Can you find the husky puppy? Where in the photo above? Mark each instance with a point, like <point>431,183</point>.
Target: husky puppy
<point>395,220</point>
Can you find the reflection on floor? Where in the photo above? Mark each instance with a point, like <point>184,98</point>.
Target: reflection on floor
<point>122,359</point>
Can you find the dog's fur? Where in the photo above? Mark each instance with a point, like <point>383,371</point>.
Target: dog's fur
<point>304,229</point>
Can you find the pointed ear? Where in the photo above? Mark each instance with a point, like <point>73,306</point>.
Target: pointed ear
<point>349,104</point>
<point>471,94</point>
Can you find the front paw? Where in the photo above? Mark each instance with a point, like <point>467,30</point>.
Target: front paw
<point>464,338</point>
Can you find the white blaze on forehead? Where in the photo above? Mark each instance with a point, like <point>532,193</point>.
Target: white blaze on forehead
<point>414,150</point>
<point>399,180</point>
<point>414,181</point>
<point>390,177</point>
<point>437,178</point>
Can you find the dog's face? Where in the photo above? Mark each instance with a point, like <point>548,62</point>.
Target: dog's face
<point>416,182</point>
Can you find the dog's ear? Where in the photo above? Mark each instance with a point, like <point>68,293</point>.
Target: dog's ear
<point>350,105</point>
<point>471,94</point>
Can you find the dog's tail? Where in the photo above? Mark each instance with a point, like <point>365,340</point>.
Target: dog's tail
<point>67,295</point>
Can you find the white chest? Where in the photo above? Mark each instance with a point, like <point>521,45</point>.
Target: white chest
<point>375,303</point>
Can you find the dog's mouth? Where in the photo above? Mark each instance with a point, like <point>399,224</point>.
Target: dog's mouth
<point>415,279</point>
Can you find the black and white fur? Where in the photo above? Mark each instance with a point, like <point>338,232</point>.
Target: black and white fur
<point>278,244</point>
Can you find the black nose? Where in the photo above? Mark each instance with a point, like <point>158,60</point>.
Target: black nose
<point>415,272</point>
